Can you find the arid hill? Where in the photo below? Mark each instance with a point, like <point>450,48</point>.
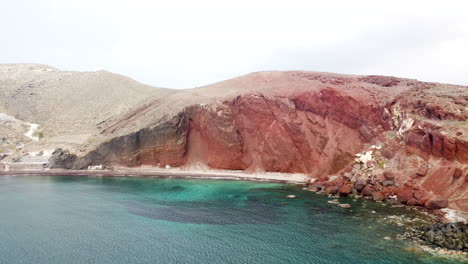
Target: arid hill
<point>70,107</point>
<point>380,136</point>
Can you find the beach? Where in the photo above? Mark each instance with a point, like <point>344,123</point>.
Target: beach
<point>150,172</point>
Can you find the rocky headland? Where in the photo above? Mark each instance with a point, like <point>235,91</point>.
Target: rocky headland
<point>384,138</point>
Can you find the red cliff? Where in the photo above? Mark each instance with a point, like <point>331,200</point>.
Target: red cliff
<point>311,123</point>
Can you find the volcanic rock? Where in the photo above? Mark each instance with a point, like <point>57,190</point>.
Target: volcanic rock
<point>404,195</point>
<point>389,175</point>
<point>422,171</point>
<point>436,202</point>
<point>457,173</point>
<point>345,190</point>
<point>377,196</point>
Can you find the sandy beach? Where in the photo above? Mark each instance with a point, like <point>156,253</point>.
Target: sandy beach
<point>293,178</point>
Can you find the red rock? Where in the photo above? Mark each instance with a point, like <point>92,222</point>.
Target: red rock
<point>404,195</point>
<point>338,182</point>
<point>387,192</point>
<point>437,144</point>
<point>422,201</point>
<point>367,191</point>
<point>388,153</point>
<point>412,201</point>
<point>331,190</point>
<point>425,144</point>
<point>324,178</point>
<point>360,184</point>
<point>457,173</point>
<point>414,138</point>
<point>345,190</point>
<point>418,195</point>
<point>436,202</point>
<point>385,81</point>
<point>449,150</point>
<point>389,175</point>
<point>347,176</point>
<point>377,196</point>
<point>422,171</point>
<point>462,151</point>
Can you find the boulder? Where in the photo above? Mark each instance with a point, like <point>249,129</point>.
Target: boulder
<point>331,190</point>
<point>421,197</point>
<point>345,190</point>
<point>412,201</point>
<point>389,175</point>
<point>387,192</point>
<point>436,202</point>
<point>422,171</point>
<point>387,183</point>
<point>377,196</point>
<point>418,195</point>
<point>367,191</point>
<point>360,184</point>
<point>404,195</point>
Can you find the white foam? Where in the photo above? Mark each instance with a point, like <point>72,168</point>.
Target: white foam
<point>452,216</point>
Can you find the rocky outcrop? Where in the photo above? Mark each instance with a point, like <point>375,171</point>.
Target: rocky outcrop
<point>452,236</point>
<point>163,144</point>
<point>434,142</point>
<point>61,159</point>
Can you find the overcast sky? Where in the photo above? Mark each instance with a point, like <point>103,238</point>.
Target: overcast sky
<point>183,44</point>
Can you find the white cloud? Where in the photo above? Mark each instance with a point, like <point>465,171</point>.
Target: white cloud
<point>191,43</point>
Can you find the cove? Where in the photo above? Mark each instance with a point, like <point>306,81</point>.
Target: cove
<point>64,219</point>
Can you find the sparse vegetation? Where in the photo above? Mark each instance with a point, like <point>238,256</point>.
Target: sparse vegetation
<point>39,134</point>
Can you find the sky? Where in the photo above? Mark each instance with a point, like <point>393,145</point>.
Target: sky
<point>185,44</point>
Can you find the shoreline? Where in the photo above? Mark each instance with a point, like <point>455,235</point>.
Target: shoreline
<point>288,178</point>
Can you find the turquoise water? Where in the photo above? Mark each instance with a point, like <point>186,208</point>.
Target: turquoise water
<point>140,220</point>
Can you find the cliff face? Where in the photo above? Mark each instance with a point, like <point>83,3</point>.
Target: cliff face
<point>305,133</point>
<point>374,135</point>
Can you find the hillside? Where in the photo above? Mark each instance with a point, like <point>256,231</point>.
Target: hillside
<point>70,107</point>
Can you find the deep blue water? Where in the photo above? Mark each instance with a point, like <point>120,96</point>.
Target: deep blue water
<point>141,220</point>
